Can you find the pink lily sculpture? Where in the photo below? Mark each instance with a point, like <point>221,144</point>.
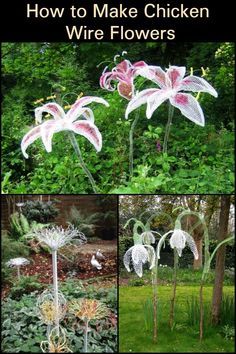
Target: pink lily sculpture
<point>171,82</point>
<point>124,73</point>
<point>65,121</point>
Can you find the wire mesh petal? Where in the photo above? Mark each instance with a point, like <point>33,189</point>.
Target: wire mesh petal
<point>192,245</point>
<point>127,258</point>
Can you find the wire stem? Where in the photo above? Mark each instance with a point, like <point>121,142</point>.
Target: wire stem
<point>131,144</point>
<point>82,163</point>
<point>168,125</point>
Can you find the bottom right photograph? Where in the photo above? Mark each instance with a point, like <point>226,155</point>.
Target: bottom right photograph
<point>176,273</point>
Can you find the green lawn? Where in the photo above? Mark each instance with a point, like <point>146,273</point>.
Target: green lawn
<point>134,337</point>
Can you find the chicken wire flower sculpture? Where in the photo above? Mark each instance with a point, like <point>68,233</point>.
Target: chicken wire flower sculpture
<point>56,342</point>
<point>66,122</point>
<point>139,255</point>
<point>170,84</point>
<point>57,237</point>
<point>87,310</point>
<point>17,263</point>
<point>123,73</point>
<point>178,241</point>
<point>142,252</point>
<point>46,307</point>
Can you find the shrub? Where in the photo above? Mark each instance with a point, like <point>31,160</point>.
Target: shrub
<point>25,285</point>
<point>39,211</point>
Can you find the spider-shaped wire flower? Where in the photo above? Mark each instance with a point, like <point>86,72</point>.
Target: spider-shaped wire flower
<point>17,263</point>
<point>88,309</point>
<point>46,307</point>
<point>65,121</point>
<point>139,254</point>
<point>171,84</point>
<point>56,342</point>
<point>178,241</point>
<point>57,237</point>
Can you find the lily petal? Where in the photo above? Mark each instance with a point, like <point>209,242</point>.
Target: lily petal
<point>105,80</point>
<point>75,110</point>
<point>29,138</point>
<point>197,84</point>
<point>123,66</point>
<point>52,108</point>
<point>189,107</point>
<point>48,128</point>
<point>138,100</point>
<point>155,74</point>
<point>125,89</point>
<point>155,100</point>
<point>176,74</point>
<point>89,131</point>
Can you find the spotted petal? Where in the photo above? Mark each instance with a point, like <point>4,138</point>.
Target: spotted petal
<point>155,74</point>
<point>197,84</point>
<point>126,89</point>
<point>89,130</point>
<point>123,66</point>
<point>29,138</point>
<point>52,108</point>
<point>176,74</point>
<point>138,100</point>
<point>75,110</point>
<point>48,128</point>
<point>189,107</point>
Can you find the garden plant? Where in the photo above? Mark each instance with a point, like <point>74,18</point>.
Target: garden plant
<point>132,154</point>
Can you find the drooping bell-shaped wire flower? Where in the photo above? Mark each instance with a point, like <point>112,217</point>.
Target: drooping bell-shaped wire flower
<point>17,263</point>
<point>139,254</point>
<point>124,73</point>
<point>65,121</point>
<point>171,84</point>
<point>178,241</point>
<point>57,237</point>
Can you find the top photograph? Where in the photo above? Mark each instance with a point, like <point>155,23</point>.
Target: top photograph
<point>118,118</point>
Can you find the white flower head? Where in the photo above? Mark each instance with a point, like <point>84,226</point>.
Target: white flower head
<point>139,254</point>
<point>148,237</point>
<point>57,237</point>
<point>179,239</point>
<point>17,262</point>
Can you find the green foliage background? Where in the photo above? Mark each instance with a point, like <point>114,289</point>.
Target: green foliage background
<point>200,160</point>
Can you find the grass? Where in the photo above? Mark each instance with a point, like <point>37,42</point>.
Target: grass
<point>184,276</point>
<point>134,337</point>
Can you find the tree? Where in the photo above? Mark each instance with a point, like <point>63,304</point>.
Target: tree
<point>220,259</point>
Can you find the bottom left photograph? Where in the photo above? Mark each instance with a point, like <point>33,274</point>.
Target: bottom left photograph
<point>59,273</point>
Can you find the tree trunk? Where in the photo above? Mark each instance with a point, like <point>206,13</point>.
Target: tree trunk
<point>220,259</point>
<point>197,263</point>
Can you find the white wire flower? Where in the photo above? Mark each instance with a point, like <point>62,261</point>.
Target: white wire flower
<point>178,240</point>
<point>17,262</point>
<point>139,254</point>
<point>57,237</point>
<point>148,237</point>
